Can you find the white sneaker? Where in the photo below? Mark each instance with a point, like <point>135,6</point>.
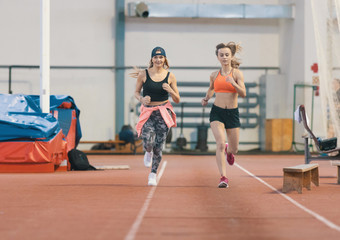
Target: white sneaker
<point>152,179</point>
<point>148,159</point>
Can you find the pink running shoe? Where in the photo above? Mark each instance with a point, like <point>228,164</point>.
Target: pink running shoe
<point>223,182</point>
<point>230,156</point>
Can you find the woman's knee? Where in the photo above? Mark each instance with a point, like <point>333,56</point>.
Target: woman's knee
<point>220,146</point>
<point>148,147</point>
<point>157,151</point>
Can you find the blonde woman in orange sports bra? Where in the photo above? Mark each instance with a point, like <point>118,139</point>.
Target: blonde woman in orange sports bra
<point>227,84</point>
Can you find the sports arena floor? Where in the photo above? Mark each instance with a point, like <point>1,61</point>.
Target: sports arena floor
<point>186,204</point>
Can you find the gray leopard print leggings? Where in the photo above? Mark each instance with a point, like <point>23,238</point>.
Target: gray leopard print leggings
<point>154,134</point>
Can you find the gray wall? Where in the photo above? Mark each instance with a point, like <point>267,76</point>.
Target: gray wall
<point>82,33</point>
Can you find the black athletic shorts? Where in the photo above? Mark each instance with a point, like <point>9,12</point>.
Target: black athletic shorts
<point>229,117</point>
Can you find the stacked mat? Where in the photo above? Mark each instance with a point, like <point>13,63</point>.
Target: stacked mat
<point>32,141</point>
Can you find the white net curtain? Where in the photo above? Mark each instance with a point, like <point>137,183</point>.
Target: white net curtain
<point>326,21</point>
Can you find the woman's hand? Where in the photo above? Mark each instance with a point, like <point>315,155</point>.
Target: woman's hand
<point>204,102</point>
<point>231,80</point>
<point>167,87</point>
<point>145,100</point>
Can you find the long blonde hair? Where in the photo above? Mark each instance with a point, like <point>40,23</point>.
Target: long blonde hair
<point>234,48</point>
<point>135,73</point>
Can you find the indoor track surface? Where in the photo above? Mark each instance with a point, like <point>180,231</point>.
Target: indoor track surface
<point>186,204</point>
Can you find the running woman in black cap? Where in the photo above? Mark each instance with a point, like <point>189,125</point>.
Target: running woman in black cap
<point>227,84</point>
<point>157,115</point>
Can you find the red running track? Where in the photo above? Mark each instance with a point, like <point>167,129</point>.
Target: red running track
<point>118,204</point>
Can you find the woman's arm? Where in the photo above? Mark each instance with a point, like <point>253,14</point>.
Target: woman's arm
<point>210,91</point>
<point>172,89</point>
<point>140,80</point>
<point>238,84</point>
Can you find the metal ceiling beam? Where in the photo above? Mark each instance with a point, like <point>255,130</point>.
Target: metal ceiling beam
<point>241,11</point>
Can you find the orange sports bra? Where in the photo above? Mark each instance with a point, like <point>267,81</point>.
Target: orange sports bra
<point>221,85</point>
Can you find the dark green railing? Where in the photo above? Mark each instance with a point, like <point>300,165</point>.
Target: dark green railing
<point>247,105</point>
<point>248,119</point>
<point>12,67</point>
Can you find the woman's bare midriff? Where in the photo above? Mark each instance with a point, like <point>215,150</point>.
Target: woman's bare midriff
<point>226,100</point>
<point>157,103</point>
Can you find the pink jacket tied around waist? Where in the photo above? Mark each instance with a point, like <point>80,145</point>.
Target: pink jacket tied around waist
<point>170,120</point>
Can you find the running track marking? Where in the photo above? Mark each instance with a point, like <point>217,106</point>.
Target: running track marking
<point>134,228</point>
<point>314,214</point>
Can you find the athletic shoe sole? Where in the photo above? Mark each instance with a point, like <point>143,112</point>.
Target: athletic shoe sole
<point>232,160</point>
<point>146,162</point>
<point>152,184</point>
<point>223,185</point>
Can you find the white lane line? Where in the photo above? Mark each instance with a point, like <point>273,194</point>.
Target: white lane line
<point>314,214</point>
<point>134,228</point>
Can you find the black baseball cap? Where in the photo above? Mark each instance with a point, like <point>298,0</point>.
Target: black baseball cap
<point>158,51</point>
